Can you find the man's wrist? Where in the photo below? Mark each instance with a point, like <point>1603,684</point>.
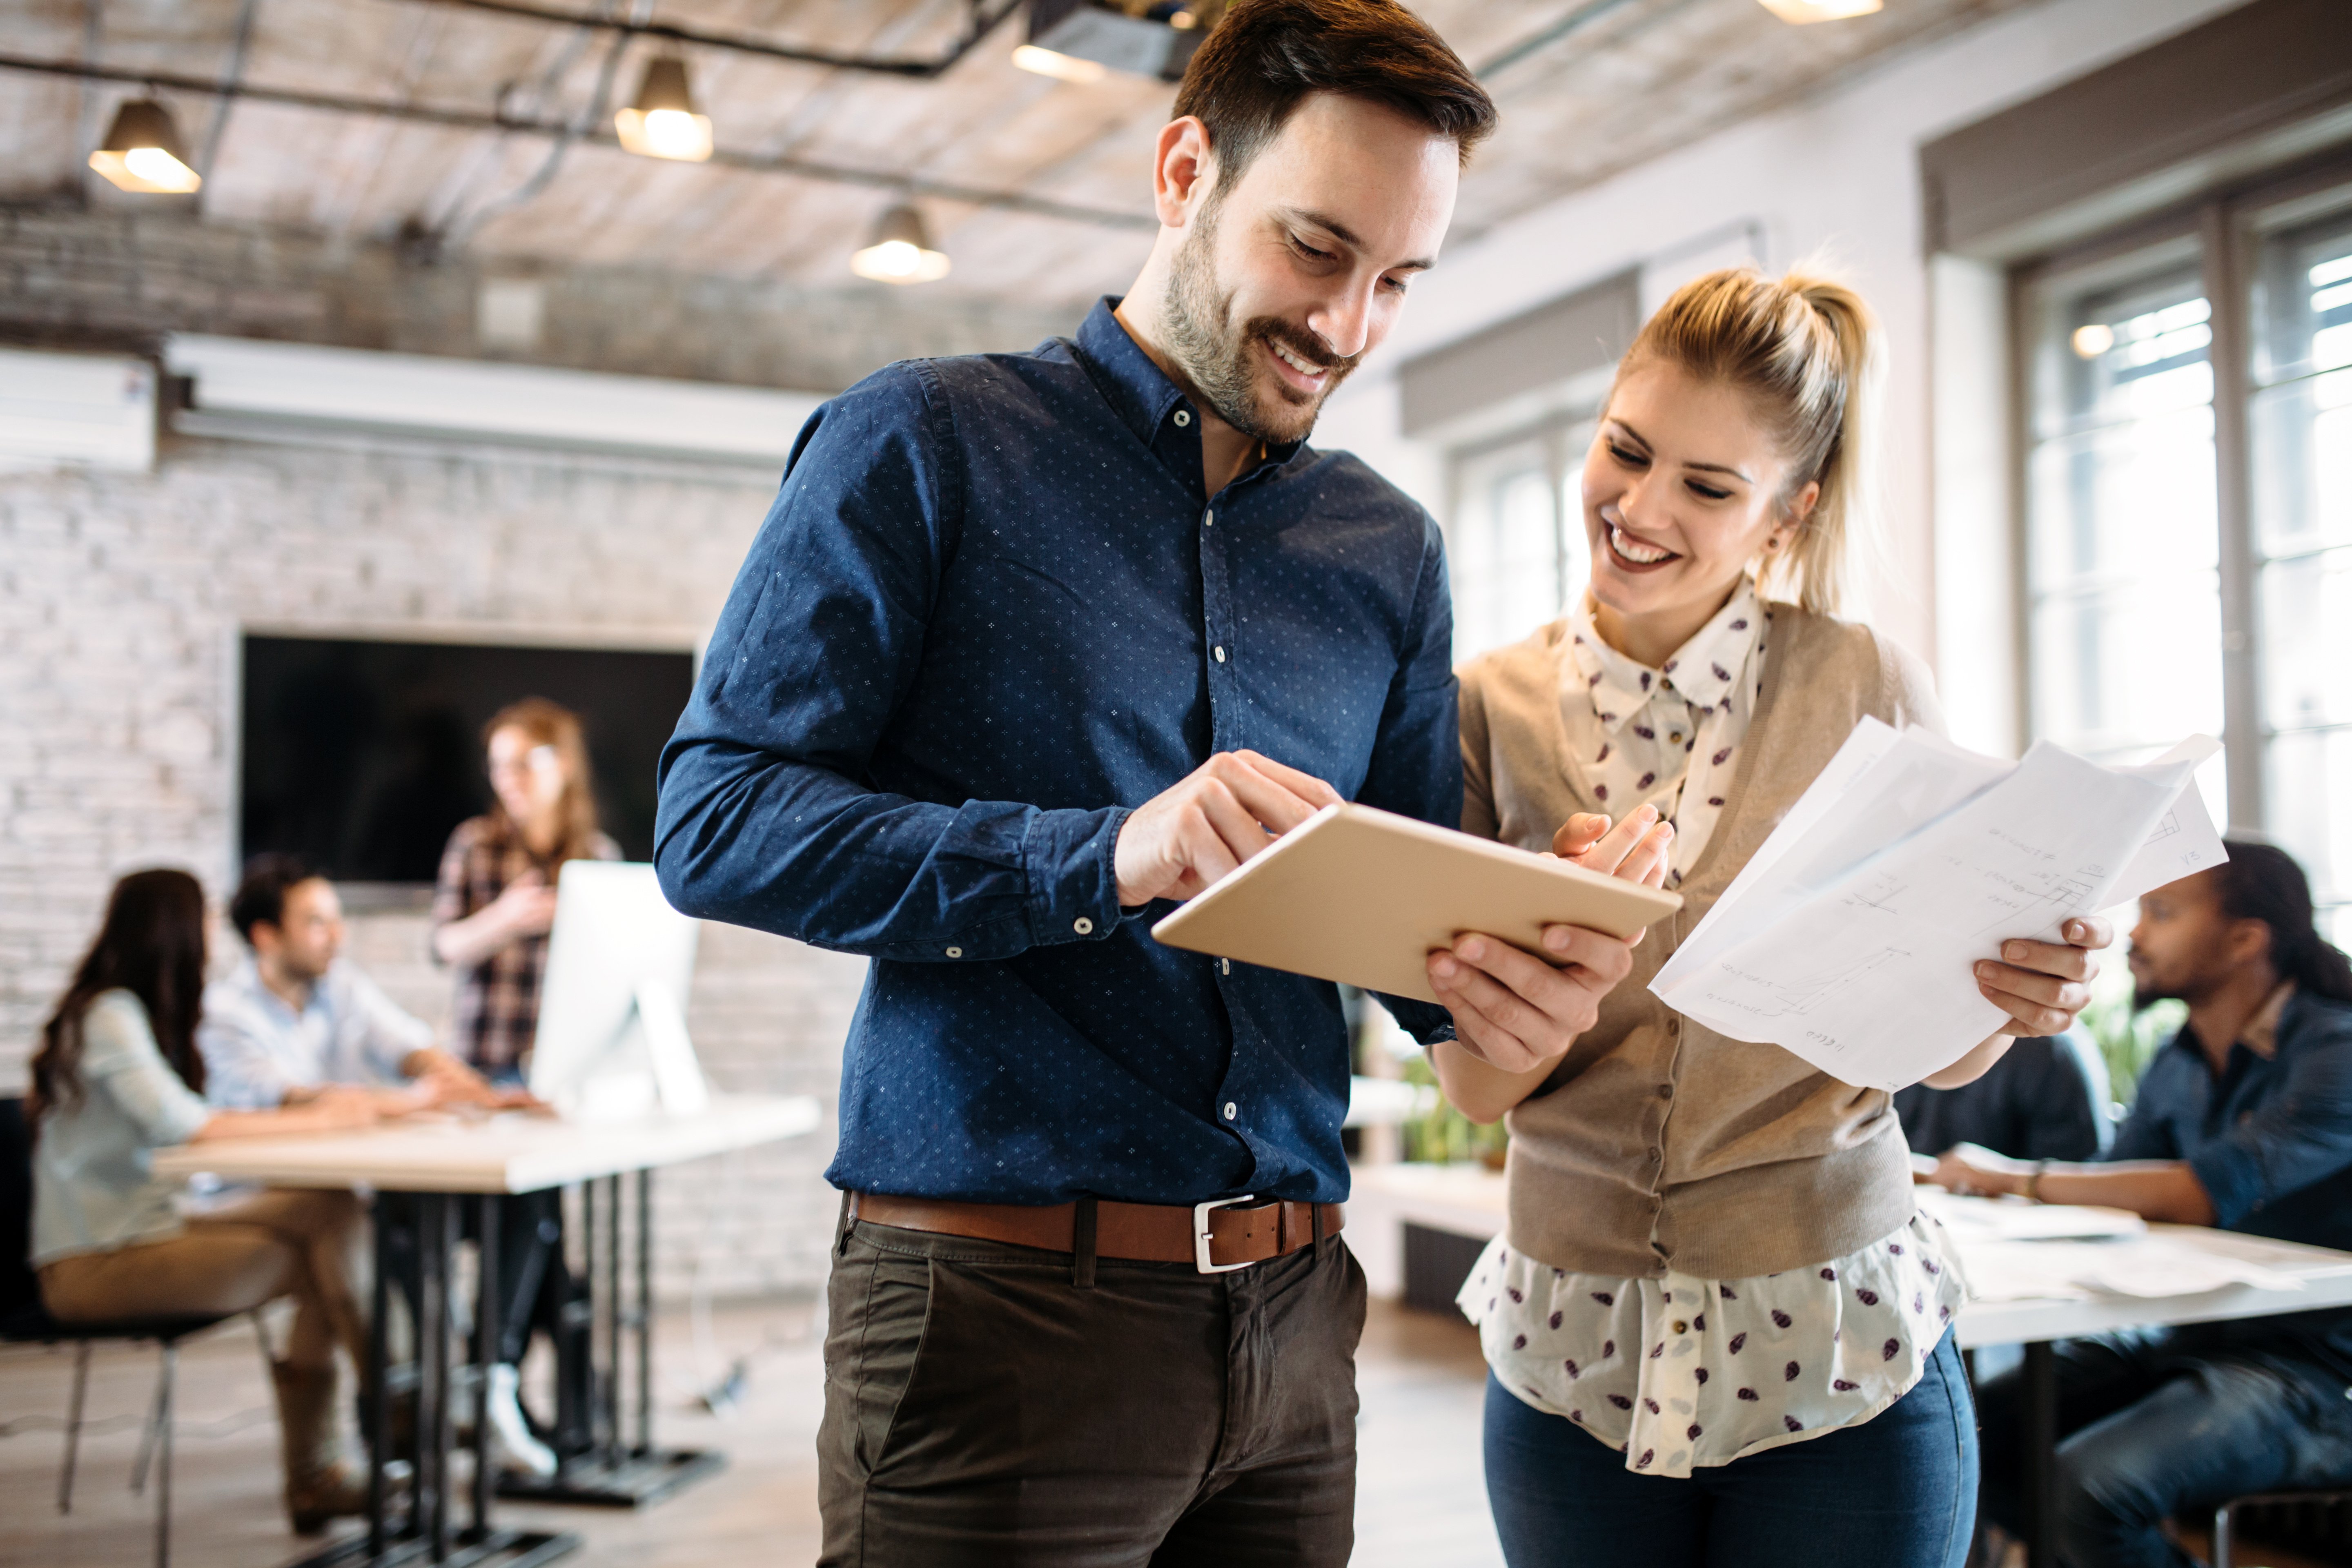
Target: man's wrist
<point>2030,1187</point>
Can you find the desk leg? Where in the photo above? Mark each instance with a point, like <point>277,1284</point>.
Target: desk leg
<point>645,1443</point>
<point>609,1439</point>
<point>2040,1414</point>
<point>487,1330</point>
<point>433,1389</point>
<point>378,1373</point>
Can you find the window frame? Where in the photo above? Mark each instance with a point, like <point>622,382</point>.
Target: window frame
<point>2221,223</point>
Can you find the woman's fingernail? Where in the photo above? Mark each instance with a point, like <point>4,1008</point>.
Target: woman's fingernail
<point>1555,937</point>
<point>2014,949</point>
<point>1443,968</point>
<point>1474,950</point>
<point>1984,972</point>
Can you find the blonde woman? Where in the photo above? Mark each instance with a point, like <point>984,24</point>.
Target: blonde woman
<point>1717,1326</point>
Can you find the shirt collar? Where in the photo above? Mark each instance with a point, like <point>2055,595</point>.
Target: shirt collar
<point>1701,672</point>
<point>1135,386</point>
<point>246,977</point>
<point>2260,1033</point>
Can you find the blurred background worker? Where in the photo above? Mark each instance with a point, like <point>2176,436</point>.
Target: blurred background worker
<point>118,1076</point>
<point>492,910</point>
<point>2244,1121</point>
<point>295,1017</point>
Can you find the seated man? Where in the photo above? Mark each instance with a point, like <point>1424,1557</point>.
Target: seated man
<point>293,1021</point>
<point>2046,1099</point>
<point>2243,1120</point>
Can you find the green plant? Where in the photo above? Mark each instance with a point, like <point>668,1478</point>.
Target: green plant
<point>1443,1135</point>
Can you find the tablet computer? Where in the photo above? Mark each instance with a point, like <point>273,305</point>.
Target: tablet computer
<point>1362,896</point>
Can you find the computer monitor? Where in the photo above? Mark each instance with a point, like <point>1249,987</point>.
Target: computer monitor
<point>612,1004</point>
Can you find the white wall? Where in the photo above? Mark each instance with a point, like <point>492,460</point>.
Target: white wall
<point>121,596</point>
<point>1835,175</point>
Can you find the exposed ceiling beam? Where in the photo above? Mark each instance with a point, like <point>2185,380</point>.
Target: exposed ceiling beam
<point>985,17</point>
<point>475,119</point>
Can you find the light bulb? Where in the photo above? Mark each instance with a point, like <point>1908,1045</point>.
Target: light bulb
<point>2094,340</point>
<point>1800,12</point>
<point>674,133</point>
<point>1061,67</point>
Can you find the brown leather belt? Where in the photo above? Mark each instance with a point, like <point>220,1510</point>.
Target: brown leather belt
<point>1214,1236</point>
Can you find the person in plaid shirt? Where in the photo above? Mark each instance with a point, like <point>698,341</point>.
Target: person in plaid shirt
<point>496,898</point>
<point>491,913</point>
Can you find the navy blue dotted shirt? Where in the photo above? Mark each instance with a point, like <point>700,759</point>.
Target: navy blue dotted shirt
<point>992,611</point>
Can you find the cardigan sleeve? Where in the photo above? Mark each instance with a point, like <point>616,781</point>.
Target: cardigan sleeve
<point>1906,688</point>
<point>1478,814</point>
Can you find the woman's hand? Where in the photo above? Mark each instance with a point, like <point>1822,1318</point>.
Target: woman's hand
<point>1635,849</point>
<point>526,907</point>
<point>1515,1012</point>
<point>1971,1170</point>
<point>2045,984</point>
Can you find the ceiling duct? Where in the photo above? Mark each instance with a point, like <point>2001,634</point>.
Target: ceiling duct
<point>1153,40</point>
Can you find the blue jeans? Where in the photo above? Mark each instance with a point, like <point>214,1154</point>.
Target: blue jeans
<point>1897,1491</point>
<point>2150,1430</point>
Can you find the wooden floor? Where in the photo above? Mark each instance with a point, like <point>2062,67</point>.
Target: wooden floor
<point>1421,1501</point>
<point>1422,1504</point>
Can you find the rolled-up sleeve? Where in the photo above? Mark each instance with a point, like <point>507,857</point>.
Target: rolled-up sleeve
<point>1416,766</point>
<point>240,1072</point>
<point>2297,1136</point>
<point>389,1033</point>
<point>769,817</point>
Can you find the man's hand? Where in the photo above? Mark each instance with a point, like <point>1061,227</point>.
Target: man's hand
<point>2045,984</point>
<point>447,1080</point>
<point>1970,1168</point>
<point>1226,810</point>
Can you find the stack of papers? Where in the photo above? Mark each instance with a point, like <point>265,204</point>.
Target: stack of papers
<point>1851,937</point>
<point>2155,1265</point>
<point>1971,1220</point>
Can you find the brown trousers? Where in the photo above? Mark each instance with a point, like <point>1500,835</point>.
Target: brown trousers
<point>981,1406</point>
<point>311,1246</point>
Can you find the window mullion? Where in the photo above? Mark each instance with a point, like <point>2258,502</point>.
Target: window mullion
<point>2226,286</point>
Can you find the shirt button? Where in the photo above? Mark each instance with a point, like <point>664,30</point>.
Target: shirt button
<point>955,953</point>
<point>1231,1111</point>
<point>1221,654</point>
<point>1224,966</point>
<point>1083,926</point>
<point>1183,419</point>
<point>1209,518</point>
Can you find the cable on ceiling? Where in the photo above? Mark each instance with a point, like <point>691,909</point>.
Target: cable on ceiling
<point>474,119</point>
<point>984,19</point>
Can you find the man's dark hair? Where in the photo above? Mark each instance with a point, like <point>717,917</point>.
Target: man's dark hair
<point>1267,56</point>
<point>261,895</point>
<point>2261,882</point>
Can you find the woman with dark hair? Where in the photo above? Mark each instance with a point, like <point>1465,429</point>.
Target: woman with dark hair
<point>117,1077</point>
<point>2242,1120</point>
<point>491,914</point>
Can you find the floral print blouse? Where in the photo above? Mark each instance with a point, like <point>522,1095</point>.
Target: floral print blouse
<point>1678,1372</point>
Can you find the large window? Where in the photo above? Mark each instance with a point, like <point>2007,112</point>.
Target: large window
<point>1515,547</point>
<point>2188,489</point>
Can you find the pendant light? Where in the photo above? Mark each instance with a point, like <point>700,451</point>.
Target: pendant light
<point>1797,12</point>
<point>663,123</point>
<point>142,152</point>
<point>899,250</point>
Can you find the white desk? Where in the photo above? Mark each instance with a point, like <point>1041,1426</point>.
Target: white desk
<point>514,1152</point>
<point>448,1163</point>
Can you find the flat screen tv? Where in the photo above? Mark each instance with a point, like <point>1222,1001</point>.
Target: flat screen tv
<point>361,756</point>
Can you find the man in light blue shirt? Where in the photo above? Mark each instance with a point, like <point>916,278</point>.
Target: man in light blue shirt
<point>295,1021</point>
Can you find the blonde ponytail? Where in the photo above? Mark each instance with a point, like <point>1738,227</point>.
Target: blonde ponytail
<point>1809,354</point>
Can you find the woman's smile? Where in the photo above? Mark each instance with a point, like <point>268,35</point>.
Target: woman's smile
<point>1632,552</point>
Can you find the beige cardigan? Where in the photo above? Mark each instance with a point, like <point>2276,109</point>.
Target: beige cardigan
<point>1657,1143</point>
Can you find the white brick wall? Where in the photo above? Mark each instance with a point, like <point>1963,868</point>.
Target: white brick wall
<point>120,600</point>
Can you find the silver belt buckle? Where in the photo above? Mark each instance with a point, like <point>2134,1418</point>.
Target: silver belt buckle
<point>1200,1236</point>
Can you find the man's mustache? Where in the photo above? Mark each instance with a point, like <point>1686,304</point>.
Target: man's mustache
<point>1305,344</point>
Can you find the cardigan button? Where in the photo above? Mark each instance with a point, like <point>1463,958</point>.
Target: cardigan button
<point>1656,1155</point>
<point>1665,1092</point>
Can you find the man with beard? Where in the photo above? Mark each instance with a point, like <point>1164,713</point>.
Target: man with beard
<point>2243,1120</point>
<point>1029,645</point>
